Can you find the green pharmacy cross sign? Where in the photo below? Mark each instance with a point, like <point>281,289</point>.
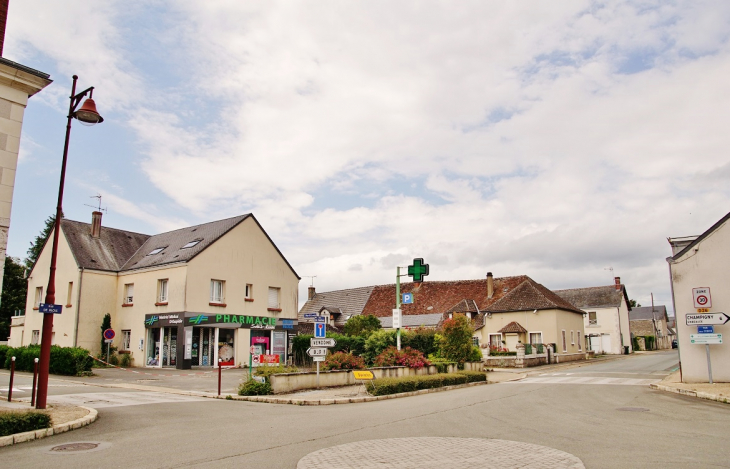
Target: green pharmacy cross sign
<point>418,270</point>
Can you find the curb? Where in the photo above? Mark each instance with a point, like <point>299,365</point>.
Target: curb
<point>687,392</point>
<point>346,400</point>
<point>56,429</point>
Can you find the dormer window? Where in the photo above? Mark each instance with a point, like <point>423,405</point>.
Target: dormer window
<point>156,251</point>
<point>191,243</point>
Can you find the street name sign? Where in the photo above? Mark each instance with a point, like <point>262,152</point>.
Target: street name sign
<point>705,329</point>
<point>701,297</point>
<point>318,359</point>
<point>317,352</point>
<point>49,308</point>
<point>322,342</point>
<point>320,319</point>
<point>705,339</point>
<point>310,315</point>
<point>707,319</point>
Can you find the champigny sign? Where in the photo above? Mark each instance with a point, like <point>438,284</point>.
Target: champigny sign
<point>235,320</point>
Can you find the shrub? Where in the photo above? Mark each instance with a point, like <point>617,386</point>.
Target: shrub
<point>406,357</point>
<point>456,343</point>
<point>125,360</point>
<point>3,351</point>
<point>474,376</point>
<point>362,325</point>
<point>476,354</point>
<point>267,371</point>
<point>343,361</point>
<point>300,344</point>
<point>377,342</point>
<point>425,340</point>
<point>254,388</point>
<point>383,386</point>
<point>69,361</point>
<point>18,422</point>
<point>441,364</point>
<point>348,344</point>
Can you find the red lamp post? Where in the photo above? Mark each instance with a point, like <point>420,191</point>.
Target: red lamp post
<point>87,115</point>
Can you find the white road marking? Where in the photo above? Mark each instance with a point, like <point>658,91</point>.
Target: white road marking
<point>120,399</point>
<point>586,380</point>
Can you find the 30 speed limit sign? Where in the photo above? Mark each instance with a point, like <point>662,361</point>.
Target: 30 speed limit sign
<point>701,297</point>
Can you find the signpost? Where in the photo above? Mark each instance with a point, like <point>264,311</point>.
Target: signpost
<point>50,309</point>
<point>407,298</point>
<point>317,352</point>
<point>362,376</point>
<point>320,330</point>
<point>417,270</point>
<point>108,338</point>
<point>706,319</point>
<point>705,323</point>
<point>701,297</point>
<point>322,342</point>
<point>705,339</point>
<point>397,319</point>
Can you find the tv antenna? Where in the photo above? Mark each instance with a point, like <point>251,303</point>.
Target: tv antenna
<point>98,206</point>
<point>312,277</point>
<point>609,268</point>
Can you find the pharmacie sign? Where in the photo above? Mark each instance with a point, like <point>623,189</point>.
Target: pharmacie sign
<point>235,320</point>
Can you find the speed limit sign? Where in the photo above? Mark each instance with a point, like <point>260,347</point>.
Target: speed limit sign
<point>701,297</point>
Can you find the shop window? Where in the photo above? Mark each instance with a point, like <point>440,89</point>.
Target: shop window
<point>217,291</point>
<point>128,293</point>
<point>274,300</point>
<point>162,291</point>
<point>38,297</point>
<point>35,337</point>
<point>69,294</point>
<point>126,339</point>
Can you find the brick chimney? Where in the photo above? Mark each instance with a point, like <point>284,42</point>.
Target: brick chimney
<point>490,285</point>
<point>3,22</point>
<point>310,293</point>
<point>617,280</point>
<point>95,224</point>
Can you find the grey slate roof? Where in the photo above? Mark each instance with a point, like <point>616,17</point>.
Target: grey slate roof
<point>107,252</point>
<point>413,320</point>
<point>173,241</point>
<point>593,297</point>
<point>350,302</point>
<point>645,312</point>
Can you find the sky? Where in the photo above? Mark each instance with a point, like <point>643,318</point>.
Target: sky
<point>564,140</point>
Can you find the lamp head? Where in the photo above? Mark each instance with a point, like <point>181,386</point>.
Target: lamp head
<point>88,115</point>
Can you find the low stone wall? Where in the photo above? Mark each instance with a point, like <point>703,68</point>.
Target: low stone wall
<point>516,361</point>
<point>290,382</point>
<point>569,357</point>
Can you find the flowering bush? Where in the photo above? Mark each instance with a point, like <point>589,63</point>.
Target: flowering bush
<point>406,357</point>
<point>343,361</point>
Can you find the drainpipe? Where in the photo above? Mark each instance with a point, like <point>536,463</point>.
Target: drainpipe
<point>676,316</point>
<point>78,309</point>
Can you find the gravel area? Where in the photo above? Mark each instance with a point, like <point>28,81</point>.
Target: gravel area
<point>59,413</point>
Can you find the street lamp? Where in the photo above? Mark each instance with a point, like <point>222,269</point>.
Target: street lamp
<point>87,115</point>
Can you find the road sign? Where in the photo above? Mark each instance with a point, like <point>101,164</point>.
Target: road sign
<point>705,339</point>
<point>318,359</point>
<point>310,315</point>
<point>320,331</point>
<point>109,334</point>
<point>320,319</point>
<point>701,297</point>
<point>705,329</point>
<point>397,319</point>
<point>407,298</point>
<point>49,309</point>
<point>252,350</point>
<point>317,352</point>
<point>363,374</point>
<point>706,319</point>
<point>322,342</point>
<point>418,270</point>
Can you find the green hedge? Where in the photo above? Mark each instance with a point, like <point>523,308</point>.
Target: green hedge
<point>69,361</point>
<point>19,422</point>
<point>383,386</point>
<point>3,351</point>
<point>254,388</point>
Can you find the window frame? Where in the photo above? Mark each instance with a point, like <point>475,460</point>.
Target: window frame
<point>35,337</point>
<point>69,294</point>
<point>572,337</point>
<point>126,340</point>
<point>529,337</point>
<point>500,340</point>
<point>157,251</point>
<point>270,306</point>
<point>128,299</point>
<point>565,341</point>
<point>580,344</point>
<point>191,244</point>
<point>38,297</point>
<point>594,321</point>
<point>163,287</point>
<point>221,299</point>
<point>248,292</point>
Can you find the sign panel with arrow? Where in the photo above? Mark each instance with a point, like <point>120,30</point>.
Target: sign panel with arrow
<point>707,319</point>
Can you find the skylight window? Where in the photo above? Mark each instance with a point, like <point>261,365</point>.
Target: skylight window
<point>156,251</point>
<point>191,243</point>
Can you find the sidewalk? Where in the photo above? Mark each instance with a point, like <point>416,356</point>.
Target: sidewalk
<point>719,392</point>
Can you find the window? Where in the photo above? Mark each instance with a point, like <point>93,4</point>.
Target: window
<point>572,338</point>
<point>38,297</point>
<point>126,339</point>
<point>216,291</point>
<point>35,338</point>
<point>128,294</point>
<point>580,344</point>
<point>495,340</point>
<point>475,341</point>
<point>156,251</point>
<point>249,291</point>
<point>162,291</point>
<point>69,293</point>
<point>274,298</point>
<point>191,244</point>
<point>535,338</point>
<point>592,320</point>
<point>565,343</point>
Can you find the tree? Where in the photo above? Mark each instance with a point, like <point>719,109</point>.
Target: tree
<point>634,304</point>
<point>15,288</point>
<point>362,324</point>
<point>36,246</point>
<point>456,341</point>
<point>106,323</point>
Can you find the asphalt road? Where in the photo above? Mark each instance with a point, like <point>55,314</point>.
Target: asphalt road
<point>609,425</point>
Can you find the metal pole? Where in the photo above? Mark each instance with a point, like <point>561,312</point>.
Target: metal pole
<point>35,377</point>
<point>219,376</point>
<point>397,302</point>
<point>107,352</point>
<point>317,375</point>
<point>12,375</point>
<point>709,365</point>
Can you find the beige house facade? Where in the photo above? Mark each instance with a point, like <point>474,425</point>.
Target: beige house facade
<point>197,296</point>
<point>702,263</point>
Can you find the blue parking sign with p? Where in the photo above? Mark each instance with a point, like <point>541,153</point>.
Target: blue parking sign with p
<point>407,298</point>
<point>319,330</point>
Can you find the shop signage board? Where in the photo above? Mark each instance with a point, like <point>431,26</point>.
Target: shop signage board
<point>46,308</point>
<point>707,319</point>
<point>322,342</point>
<point>317,352</point>
<point>701,297</point>
<point>705,339</point>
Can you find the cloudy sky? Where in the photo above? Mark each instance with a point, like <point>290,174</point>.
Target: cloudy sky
<point>554,139</point>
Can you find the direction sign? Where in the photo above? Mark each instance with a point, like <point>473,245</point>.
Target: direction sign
<point>317,352</point>
<point>49,308</point>
<point>318,359</point>
<point>702,319</point>
<point>705,329</point>
<point>322,342</point>
<point>705,339</point>
<point>363,374</point>
<point>109,334</point>
<point>320,331</point>
<point>701,297</point>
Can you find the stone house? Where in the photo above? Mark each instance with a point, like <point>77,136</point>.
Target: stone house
<point>647,321</point>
